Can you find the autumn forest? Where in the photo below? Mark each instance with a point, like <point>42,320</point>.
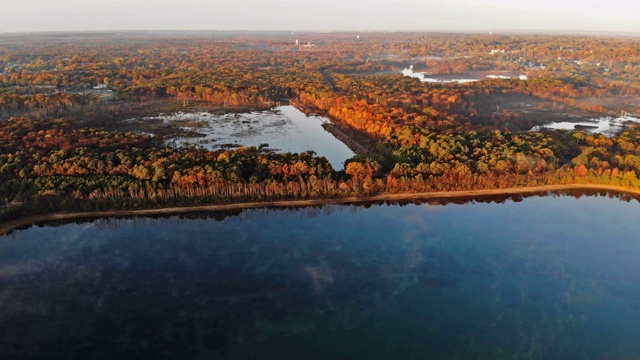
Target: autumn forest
<point>66,144</point>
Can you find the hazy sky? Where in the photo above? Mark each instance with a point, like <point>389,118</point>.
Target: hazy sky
<point>486,15</point>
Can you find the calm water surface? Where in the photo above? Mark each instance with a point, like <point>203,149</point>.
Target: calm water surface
<point>545,278</point>
<point>286,129</point>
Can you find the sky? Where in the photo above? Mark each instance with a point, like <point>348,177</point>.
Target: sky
<point>322,15</point>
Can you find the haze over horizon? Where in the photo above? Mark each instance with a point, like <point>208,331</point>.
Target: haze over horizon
<point>329,15</point>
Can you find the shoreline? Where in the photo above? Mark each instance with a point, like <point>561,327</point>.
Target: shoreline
<point>30,220</point>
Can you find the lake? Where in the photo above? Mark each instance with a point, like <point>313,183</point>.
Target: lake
<point>454,78</point>
<point>551,277</point>
<point>607,125</point>
<point>283,129</point>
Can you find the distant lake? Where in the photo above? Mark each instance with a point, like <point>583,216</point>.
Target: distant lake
<point>607,125</point>
<point>554,277</point>
<point>284,129</point>
<point>455,78</point>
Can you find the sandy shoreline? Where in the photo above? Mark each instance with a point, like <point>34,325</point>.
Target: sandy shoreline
<point>18,223</point>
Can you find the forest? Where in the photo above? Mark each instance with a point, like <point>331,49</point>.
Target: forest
<point>66,145</point>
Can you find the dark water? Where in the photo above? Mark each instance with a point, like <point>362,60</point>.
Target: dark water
<point>545,278</point>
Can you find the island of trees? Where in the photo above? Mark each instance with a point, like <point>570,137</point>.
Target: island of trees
<point>65,144</point>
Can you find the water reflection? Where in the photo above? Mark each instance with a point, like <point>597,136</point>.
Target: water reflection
<point>328,209</point>
<point>547,277</point>
<point>282,129</point>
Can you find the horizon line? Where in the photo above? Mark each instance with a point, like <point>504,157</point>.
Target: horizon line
<point>337,31</point>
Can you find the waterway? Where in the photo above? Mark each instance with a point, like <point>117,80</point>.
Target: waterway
<point>283,129</point>
<point>551,277</point>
